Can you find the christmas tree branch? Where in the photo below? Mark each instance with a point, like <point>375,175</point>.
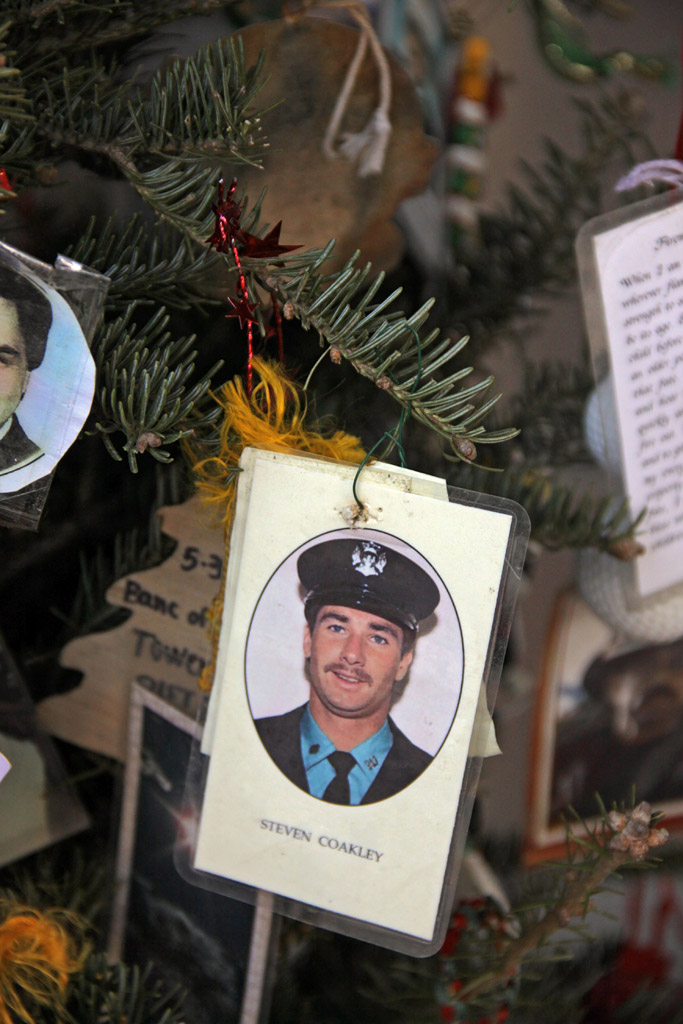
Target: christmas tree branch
<point>529,246</point>
<point>59,27</point>
<point>617,840</point>
<point>144,389</point>
<point>386,347</point>
<point>145,264</point>
<point>559,517</point>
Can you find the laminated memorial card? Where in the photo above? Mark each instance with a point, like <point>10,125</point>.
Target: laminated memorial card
<point>47,374</point>
<point>350,667</point>
<point>631,264</point>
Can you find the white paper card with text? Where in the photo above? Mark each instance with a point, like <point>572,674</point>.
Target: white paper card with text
<point>267,818</point>
<point>631,265</point>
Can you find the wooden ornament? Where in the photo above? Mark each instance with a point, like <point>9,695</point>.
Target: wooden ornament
<point>163,645</point>
<point>318,198</point>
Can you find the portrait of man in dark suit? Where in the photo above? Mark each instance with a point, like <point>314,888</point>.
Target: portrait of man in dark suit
<point>363,605</point>
<point>25,320</point>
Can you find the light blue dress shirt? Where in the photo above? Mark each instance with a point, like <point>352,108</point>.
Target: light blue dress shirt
<point>316,747</point>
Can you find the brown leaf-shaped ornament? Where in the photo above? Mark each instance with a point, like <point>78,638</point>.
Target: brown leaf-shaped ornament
<point>316,197</point>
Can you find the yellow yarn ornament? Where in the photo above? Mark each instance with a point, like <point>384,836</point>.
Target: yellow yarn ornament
<point>274,418</point>
<point>37,956</point>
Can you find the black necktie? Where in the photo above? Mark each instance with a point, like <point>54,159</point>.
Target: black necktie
<point>338,790</point>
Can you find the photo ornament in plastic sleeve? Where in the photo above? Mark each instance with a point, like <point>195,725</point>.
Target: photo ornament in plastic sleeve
<point>156,914</point>
<point>341,750</point>
<point>47,374</point>
<point>631,270</point>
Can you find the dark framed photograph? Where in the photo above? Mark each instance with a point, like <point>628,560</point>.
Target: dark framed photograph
<point>349,673</point>
<point>198,936</point>
<point>609,722</point>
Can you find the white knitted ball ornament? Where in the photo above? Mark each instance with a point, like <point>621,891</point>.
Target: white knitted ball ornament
<point>605,583</point>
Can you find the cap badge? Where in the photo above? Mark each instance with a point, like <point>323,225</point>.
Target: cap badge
<point>368,558</point>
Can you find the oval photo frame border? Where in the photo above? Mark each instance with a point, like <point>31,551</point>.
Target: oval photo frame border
<point>294,702</point>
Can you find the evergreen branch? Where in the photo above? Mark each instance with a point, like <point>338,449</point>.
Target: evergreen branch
<point>160,269</point>
<point>103,994</point>
<point>78,886</point>
<point>14,103</point>
<point>144,387</point>
<point>559,518</point>
<point>57,28</point>
<point>549,412</point>
<point>529,246</point>
<point>383,346</point>
<point>593,855</point>
<point>19,149</point>
<point>178,190</point>
<point>131,551</point>
<point>201,107</point>
<point>82,107</point>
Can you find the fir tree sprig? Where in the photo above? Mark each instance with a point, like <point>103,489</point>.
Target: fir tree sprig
<point>619,838</point>
<point>549,412</point>
<point>59,28</point>
<point>385,346</point>
<point>145,388</point>
<point>14,103</point>
<point>560,518</point>
<point>527,247</point>
<point>145,264</point>
<point>203,108</point>
<point>109,994</point>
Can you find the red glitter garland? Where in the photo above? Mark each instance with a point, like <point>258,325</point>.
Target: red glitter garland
<point>227,234</point>
<point>224,238</point>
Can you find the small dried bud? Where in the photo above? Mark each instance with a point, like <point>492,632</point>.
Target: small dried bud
<point>288,310</point>
<point>465,448</point>
<point>335,355</point>
<point>639,849</point>
<point>147,440</point>
<point>383,382</point>
<point>637,829</point>
<point>642,812</point>
<point>658,836</point>
<point>616,821</point>
<point>633,834</point>
<point>626,549</point>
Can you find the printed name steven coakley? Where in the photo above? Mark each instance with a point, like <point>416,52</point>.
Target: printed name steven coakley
<point>327,842</point>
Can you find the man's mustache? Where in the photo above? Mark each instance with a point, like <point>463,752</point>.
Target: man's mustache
<point>356,673</point>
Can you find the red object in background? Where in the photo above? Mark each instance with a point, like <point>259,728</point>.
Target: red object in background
<point>635,968</point>
<point>4,180</point>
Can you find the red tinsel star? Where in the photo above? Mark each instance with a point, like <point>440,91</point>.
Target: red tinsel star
<point>242,310</point>
<point>263,248</point>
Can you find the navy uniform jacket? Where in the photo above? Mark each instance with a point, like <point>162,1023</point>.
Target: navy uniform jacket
<point>281,737</point>
<point>16,449</point>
